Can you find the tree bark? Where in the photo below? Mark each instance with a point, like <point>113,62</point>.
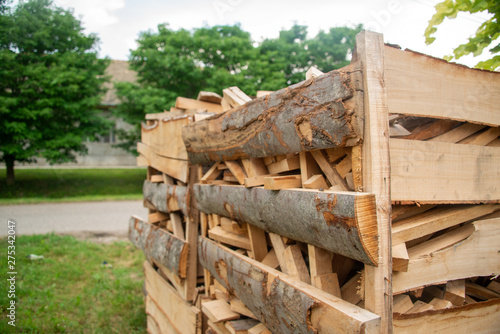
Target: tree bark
<point>9,163</point>
<point>159,245</point>
<point>343,223</point>
<point>282,303</point>
<point>165,198</point>
<point>303,117</point>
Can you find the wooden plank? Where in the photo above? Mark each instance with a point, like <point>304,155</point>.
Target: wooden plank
<point>475,256</point>
<point>257,180</point>
<point>435,172</point>
<point>165,137</point>
<point>258,243</point>
<point>473,318</point>
<point>237,170</point>
<point>271,259</point>
<point>278,123</point>
<point>157,217</point>
<point>282,182</point>
<point>400,257</point>
<point>431,130</point>
<point>351,289</point>
<point>284,165</point>
<point>328,283</point>
<point>217,233</point>
<point>209,97</point>
<point>183,317</point>
<point>460,132</point>
<point>342,223</point>
<point>238,307</point>
<point>331,174</point>
<point>211,174</point>
<point>295,264</point>
<point>185,103</point>
<point>455,292</point>
<point>177,226</point>
<point>419,307</point>
<point>280,302</point>
<point>376,170</point>
<point>315,182</point>
<point>254,167</point>
<point>174,167</point>
<point>402,304</point>
<point>218,311</point>
<point>259,329</point>
<point>308,167</point>
<point>159,245</point>
<point>437,219</point>
<point>235,96</point>
<point>313,72</point>
<point>160,322</point>
<point>164,197</point>
<point>424,86</point>
<point>480,292</point>
<point>483,138</point>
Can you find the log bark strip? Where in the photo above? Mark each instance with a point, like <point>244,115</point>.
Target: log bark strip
<point>159,245</point>
<point>303,117</point>
<point>165,198</point>
<point>283,304</point>
<point>342,222</point>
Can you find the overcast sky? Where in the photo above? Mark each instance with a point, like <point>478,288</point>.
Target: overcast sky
<point>403,22</point>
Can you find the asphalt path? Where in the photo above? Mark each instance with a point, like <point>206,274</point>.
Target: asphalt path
<point>83,218</point>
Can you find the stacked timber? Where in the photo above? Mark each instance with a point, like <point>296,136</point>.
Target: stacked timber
<point>365,199</point>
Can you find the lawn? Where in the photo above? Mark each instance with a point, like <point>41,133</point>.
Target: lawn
<point>70,290</point>
<point>64,185</point>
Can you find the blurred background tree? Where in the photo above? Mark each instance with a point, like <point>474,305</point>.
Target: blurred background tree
<point>486,35</point>
<point>173,63</point>
<point>50,85</point>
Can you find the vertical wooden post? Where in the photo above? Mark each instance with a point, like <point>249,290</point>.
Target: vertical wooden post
<point>376,171</point>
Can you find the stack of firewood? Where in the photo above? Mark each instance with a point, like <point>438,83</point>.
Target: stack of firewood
<point>276,213</point>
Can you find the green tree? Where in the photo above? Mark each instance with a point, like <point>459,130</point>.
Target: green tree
<point>486,34</point>
<point>181,63</point>
<point>50,85</point>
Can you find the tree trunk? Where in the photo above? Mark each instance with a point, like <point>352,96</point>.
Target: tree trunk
<point>307,116</point>
<point>343,222</point>
<point>9,162</point>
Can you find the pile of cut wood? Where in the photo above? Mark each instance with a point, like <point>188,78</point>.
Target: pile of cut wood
<point>361,200</point>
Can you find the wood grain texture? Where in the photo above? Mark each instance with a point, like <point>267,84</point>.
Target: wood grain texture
<point>181,315</point>
<point>421,85</point>
<point>438,172</point>
<point>175,168</point>
<point>283,304</point>
<point>474,318</point>
<point>165,136</point>
<point>159,245</point>
<point>342,222</point>
<point>478,255</point>
<point>376,170</point>
<point>306,116</point>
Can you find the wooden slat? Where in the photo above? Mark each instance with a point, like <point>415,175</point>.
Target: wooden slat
<point>376,170</point>
<point>437,219</point>
<point>217,233</point>
<point>331,173</point>
<point>165,138</point>
<point>181,315</point>
<point>279,301</point>
<point>159,245</point>
<point>435,172</point>
<point>474,318</point>
<point>424,86</point>
<point>475,256</point>
<point>218,310</point>
<point>174,167</point>
<point>282,182</point>
<point>279,123</point>
<point>185,103</point>
<point>341,222</point>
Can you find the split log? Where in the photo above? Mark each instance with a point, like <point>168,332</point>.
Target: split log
<point>475,256</point>
<point>159,245</point>
<point>343,222</point>
<point>306,116</point>
<point>165,198</point>
<point>283,304</point>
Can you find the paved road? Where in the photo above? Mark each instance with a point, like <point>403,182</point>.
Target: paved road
<point>71,218</point>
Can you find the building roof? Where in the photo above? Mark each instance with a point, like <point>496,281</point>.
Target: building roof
<point>120,72</point>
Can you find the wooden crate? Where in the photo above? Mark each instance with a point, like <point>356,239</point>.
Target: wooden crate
<point>365,199</point>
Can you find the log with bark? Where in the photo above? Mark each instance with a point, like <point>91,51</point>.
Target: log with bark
<point>341,222</point>
<point>165,198</point>
<point>303,117</point>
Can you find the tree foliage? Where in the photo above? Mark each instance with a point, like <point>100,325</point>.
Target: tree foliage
<point>486,34</point>
<point>173,63</point>
<point>50,85</point>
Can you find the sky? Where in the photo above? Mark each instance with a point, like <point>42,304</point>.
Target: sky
<point>118,23</point>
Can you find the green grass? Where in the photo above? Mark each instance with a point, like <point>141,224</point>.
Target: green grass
<point>70,291</point>
<point>67,185</point>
